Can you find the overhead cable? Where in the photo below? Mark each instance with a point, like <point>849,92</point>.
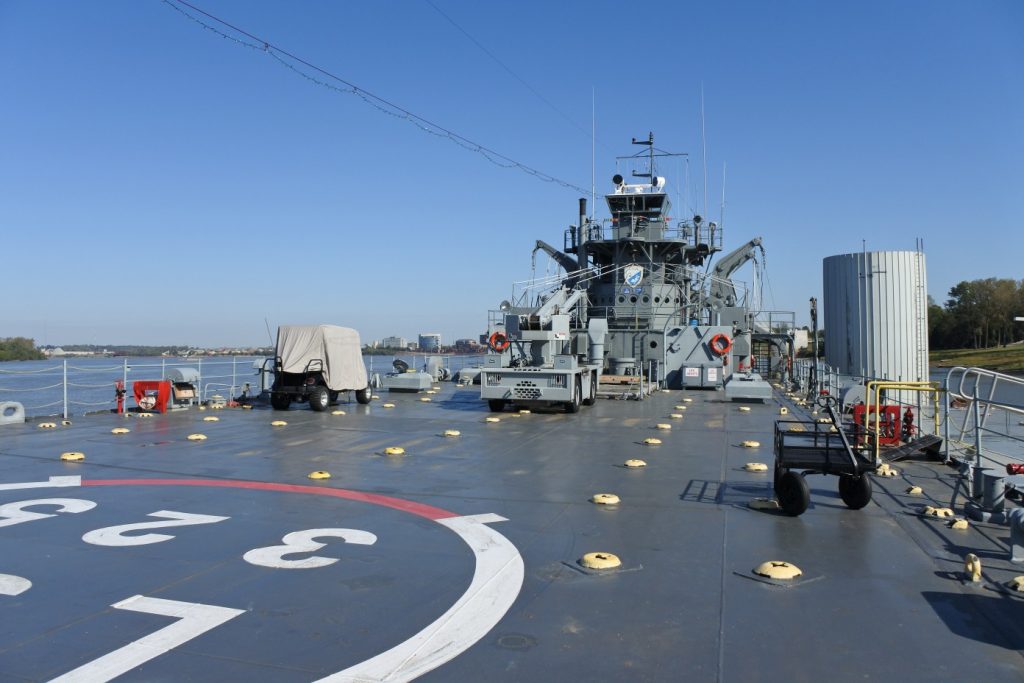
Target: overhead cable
<point>294,63</point>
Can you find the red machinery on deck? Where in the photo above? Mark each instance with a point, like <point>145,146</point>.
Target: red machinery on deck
<point>884,424</point>
<point>152,394</point>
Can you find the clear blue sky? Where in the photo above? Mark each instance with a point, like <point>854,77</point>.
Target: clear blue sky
<point>160,184</point>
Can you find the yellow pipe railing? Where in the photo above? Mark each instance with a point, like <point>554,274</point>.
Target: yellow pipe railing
<point>878,385</point>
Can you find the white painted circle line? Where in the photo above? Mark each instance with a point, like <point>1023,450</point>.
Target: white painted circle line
<point>497,580</point>
<point>13,585</point>
<point>496,583</point>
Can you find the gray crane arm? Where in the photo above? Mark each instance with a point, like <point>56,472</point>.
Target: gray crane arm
<point>722,292</point>
<point>568,263</point>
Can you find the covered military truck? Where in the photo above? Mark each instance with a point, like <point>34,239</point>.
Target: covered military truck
<point>315,363</point>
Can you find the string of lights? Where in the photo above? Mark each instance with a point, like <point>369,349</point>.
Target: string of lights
<point>329,81</point>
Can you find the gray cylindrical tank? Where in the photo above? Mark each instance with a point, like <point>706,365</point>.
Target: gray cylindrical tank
<point>876,315</point>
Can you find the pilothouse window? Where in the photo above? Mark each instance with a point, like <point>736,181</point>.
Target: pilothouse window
<point>636,204</point>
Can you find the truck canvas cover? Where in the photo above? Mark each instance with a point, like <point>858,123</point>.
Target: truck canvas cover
<point>338,348</point>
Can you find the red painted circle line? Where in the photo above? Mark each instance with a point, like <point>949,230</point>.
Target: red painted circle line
<point>419,509</point>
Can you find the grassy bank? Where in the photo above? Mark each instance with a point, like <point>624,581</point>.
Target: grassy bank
<point>1001,359</point>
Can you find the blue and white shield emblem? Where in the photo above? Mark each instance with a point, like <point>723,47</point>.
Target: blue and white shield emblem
<point>633,274</point>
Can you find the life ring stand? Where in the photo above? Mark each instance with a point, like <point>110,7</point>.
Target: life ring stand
<point>720,344</point>
<point>499,341</point>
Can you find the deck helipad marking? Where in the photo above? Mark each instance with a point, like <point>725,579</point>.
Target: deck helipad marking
<point>114,535</point>
<point>53,482</point>
<point>305,542</point>
<point>15,513</point>
<point>194,619</point>
<point>419,509</point>
<point>13,585</point>
<point>497,580</point>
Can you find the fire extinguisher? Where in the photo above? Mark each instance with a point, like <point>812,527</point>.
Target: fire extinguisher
<point>120,391</point>
<point>908,425</point>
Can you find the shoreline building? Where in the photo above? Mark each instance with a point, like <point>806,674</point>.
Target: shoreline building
<point>430,341</point>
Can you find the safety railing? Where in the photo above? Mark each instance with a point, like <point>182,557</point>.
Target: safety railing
<point>640,227</point>
<point>805,371</point>
<point>81,385</point>
<point>990,426</point>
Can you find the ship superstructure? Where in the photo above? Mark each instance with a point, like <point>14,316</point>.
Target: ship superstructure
<point>644,302</point>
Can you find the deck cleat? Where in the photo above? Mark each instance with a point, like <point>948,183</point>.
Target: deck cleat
<point>600,561</point>
<point>605,499</point>
<point>972,568</point>
<point>776,569</point>
<point>884,470</point>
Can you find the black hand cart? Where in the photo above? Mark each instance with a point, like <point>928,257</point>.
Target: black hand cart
<point>803,448</point>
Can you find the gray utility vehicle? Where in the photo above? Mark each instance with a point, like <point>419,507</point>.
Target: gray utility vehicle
<point>315,363</point>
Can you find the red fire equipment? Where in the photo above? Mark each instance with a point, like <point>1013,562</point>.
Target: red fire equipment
<point>908,425</point>
<point>152,394</point>
<point>119,392</point>
<point>886,423</point>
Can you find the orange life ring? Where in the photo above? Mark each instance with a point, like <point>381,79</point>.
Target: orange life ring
<point>499,341</point>
<point>720,344</point>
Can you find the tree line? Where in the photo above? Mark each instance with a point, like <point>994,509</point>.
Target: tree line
<point>978,314</point>
<point>19,348</point>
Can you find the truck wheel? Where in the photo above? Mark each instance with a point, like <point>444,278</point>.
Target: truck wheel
<point>573,406</point>
<point>363,396</point>
<point>496,404</point>
<point>333,397</point>
<point>319,399</point>
<point>592,398</point>
<point>280,401</point>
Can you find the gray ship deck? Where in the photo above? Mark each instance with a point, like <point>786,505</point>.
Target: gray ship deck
<point>407,579</point>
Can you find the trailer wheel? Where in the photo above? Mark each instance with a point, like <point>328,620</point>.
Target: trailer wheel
<point>592,398</point>
<point>496,404</point>
<point>855,491</point>
<point>793,493</point>
<point>319,399</point>
<point>573,406</point>
<point>279,401</point>
<point>363,396</point>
